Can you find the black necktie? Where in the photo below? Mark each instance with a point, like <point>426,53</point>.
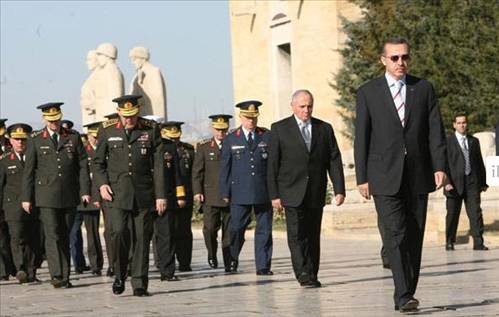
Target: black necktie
<point>54,139</point>
<point>21,157</point>
<point>250,139</point>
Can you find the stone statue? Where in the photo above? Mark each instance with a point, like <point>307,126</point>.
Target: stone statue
<point>87,99</point>
<point>148,82</point>
<point>108,81</point>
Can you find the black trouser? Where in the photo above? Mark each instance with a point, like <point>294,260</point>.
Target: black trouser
<point>76,242</point>
<point>471,197</point>
<point>183,236</point>
<point>165,241</point>
<point>215,218</point>
<point>107,236</point>
<point>24,242</point>
<point>91,218</point>
<point>403,217</point>
<point>383,253</point>
<point>131,228</point>
<point>56,225</point>
<point>304,239</point>
<point>6,264</point>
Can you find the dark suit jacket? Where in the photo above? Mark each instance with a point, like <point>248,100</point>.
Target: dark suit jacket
<point>293,173</point>
<point>456,164</point>
<point>383,147</point>
<point>11,174</point>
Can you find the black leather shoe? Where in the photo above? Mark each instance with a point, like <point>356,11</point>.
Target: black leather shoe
<point>213,263</point>
<point>316,283</point>
<point>22,277</point>
<point>81,269</point>
<point>411,305</point>
<point>449,246</point>
<point>227,269</point>
<point>141,292</point>
<point>67,284</point>
<point>97,272</point>
<point>480,248</point>
<point>169,278</point>
<point>118,286</point>
<point>110,272</point>
<point>185,268</point>
<point>233,266</point>
<point>57,282</point>
<point>264,272</point>
<point>386,265</point>
<point>303,279</point>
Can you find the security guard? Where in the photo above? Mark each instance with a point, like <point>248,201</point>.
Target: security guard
<point>23,227</point>
<point>183,229</point>
<point>243,182</point>
<point>128,171</point>
<point>205,177</point>
<point>166,224</point>
<point>91,212</point>
<point>55,179</point>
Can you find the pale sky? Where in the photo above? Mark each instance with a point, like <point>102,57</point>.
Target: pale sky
<point>43,47</point>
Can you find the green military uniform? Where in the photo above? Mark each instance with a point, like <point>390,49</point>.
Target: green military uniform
<point>55,177</point>
<point>23,227</point>
<point>205,179</point>
<point>130,163</point>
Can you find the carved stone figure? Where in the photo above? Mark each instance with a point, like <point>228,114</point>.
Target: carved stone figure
<point>87,99</point>
<point>148,82</point>
<point>108,81</point>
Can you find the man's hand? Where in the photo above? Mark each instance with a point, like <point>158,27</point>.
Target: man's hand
<point>27,206</point>
<point>226,200</point>
<point>364,190</point>
<point>440,179</point>
<point>96,204</point>
<point>106,193</point>
<point>199,197</point>
<point>85,199</point>
<point>181,203</point>
<point>340,198</point>
<point>276,203</point>
<point>448,187</point>
<point>161,206</point>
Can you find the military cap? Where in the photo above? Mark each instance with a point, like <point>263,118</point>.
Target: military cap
<point>249,108</point>
<point>128,105</point>
<point>51,111</point>
<point>2,126</point>
<point>67,124</point>
<point>93,128</point>
<point>171,129</point>
<point>19,131</point>
<point>220,121</point>
<point>112,116</point>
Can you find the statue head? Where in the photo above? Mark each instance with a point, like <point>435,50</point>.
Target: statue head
<point>106,52</point>
<point>139,55</point>
<point>92,59</point>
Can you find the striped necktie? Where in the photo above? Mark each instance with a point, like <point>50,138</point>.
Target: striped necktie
<point>466,153</point>
<point>399,101</point>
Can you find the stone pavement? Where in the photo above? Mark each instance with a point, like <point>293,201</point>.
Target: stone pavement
<point>459,283</point>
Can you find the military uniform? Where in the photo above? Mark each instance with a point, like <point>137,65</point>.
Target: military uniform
<point>130,163</point>
<point>243,179</point>
<point>205,181</point>
<point>23,227</point>
<point>55,177</point>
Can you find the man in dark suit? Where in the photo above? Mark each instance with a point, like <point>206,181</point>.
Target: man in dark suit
<point>467,180</point>
<point>399,158</point>
<point>243,183</point>
<point>302,151</point>
<point>205,173</point>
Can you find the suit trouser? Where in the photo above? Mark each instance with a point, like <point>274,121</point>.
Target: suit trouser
<point>165,241</point>
<point>383,253</point>
<point>240,218</point>
<point>403,217</point>
<point>107,237</point>
<point>183,236</point>
<point>56,225</point>
<point>471,197</point>
<point>215,218</point>
<point>91,218</point>
<point>76,242</point>
<point>131,228</point>
<point>304,238</point>
<point>6,264</point>
<point>24,244</point>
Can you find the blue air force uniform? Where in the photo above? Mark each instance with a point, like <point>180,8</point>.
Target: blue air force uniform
<point>243,179</point>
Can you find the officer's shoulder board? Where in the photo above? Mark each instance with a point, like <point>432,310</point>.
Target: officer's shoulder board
<point>36,133</point>
<point>147,122</point>
<point>232,131</point>
<point>109,123</point>
<point>204,141</point>
<point>261,129</point>
<point>4,155</point>
<point>71,131</point>
<point>188,146</point>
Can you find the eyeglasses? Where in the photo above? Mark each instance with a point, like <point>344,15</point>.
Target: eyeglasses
<point>395,58</point>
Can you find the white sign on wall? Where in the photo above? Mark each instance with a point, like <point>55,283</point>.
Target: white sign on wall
<point>492,168</point>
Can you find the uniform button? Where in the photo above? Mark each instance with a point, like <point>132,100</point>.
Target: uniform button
<point>129,164</point>
<point>252,166</point>
<point>129,173</point>
<point>60,174</point>
<point>58,159</point>
<point>251,159</point>
<point>252,173</point>
<point>57,152</point>
<point>129,154</point>
<point>129,146</point>
<point>58,166</point>
<point>251,152</point>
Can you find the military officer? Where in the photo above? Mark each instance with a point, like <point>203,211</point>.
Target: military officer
<point>205,177</point>
<point>183,229</point>
<point>23,227</point>
<point>167,224</point>
<point>243,183</point>
<point>90,213</point>
<point>129,173</point>
<point>4,142</point>
<point>67,124</point>
<point>55,179</point>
